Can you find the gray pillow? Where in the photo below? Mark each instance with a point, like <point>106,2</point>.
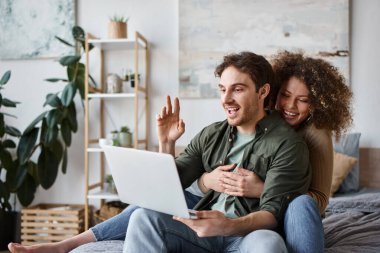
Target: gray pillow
<point>349,145</point>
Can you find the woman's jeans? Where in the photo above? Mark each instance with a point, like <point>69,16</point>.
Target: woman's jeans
<point>116,227</point>
<point>303,226</point>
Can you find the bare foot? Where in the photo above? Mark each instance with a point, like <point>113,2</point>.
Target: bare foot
<point>38,248</point>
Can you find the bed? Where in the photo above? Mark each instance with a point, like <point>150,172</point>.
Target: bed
<point>352,222</point>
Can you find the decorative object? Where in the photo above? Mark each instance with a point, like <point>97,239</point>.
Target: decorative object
<point>51,223</point>
<point>114,83</point>
<point>132,78</point>
<point>111,187</point>
<point>320,28</point>
<point>125,137</point>
<point>342,166</point>
<point>38,23</point>
<point>114,137</point>
<point>117,27</point>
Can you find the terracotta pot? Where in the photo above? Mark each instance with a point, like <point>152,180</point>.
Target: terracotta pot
<point>117,30</point>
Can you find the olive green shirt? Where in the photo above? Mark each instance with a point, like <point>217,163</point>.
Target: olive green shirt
<point>277,154</point>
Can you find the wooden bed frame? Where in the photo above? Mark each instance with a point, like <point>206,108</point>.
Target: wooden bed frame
<point>369,164</point>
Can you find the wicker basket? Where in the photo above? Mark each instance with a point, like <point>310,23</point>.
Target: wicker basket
<point>108,210</point>
<point>51,223</point>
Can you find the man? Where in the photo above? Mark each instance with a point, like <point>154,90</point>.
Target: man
<point>250,138</point>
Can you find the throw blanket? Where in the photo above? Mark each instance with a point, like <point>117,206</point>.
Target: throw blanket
<point>352,224</point>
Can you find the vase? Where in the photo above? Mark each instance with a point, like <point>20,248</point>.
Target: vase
<point>125,139</point>
<point>117,30</point>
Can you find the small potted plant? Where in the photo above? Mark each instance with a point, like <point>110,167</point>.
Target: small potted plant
<point>114,136</point>
<point>125,137</point>
<point>117,27</point>
<point>132,79</point>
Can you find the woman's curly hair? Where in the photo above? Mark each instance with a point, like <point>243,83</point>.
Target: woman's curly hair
<point>330,98</point>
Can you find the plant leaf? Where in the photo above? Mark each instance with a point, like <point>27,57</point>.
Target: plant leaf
<point>64,161</point>
<point>5,78</point>
<point>6,159</point>
<point>51,134</point>
<point>8,103</point>
<point>26,192</point>
<point>4,197</point>
<point>73,118</point>
<point>54,80</point>
<point>53,100</point>
<point>68,94</point>
<point>47,168</point>
<point>34,122</point>
<point>53,117</point>
<point>64,41</point>
<point>2,125</point>
<point>57,149</point>
<point>66,132</point>
<point>26,145</point>
<point>12,131</point>
<point>43,130</point>
<point>16,176</point>
<point>70,59</point>
<point>78,33</point>
<point>9,144</point>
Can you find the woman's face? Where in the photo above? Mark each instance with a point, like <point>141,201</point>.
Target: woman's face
<point>293,102</point>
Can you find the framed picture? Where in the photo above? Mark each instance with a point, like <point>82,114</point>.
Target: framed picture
<point>28,28</point>
<point>210,29</point>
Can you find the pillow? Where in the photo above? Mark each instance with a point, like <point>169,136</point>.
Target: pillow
<point>349,145</point>
<point>343,164</point>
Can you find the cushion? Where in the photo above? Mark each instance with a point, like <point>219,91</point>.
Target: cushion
<point>343,164</point>
<point>101,246</point>
<point>349,145</point>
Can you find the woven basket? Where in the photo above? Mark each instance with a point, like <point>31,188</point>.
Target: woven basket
<point>108,210</point>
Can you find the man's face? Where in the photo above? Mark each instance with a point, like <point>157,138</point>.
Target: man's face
<point>241,102</point>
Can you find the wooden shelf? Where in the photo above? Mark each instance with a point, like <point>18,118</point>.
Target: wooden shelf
<point>111,95</point>
<point>103,195</point>
<point>114,44</point>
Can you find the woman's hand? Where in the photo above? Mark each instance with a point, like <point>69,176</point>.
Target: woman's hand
<point>212,180</point>
<point>169,126</point>
<point>242,183</point>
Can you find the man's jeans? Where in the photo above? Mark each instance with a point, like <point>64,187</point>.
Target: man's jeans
<point>116,227</point>
<point>151,231</point>
<point>303,226</point>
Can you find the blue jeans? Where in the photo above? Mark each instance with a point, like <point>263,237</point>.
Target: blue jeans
<point>303,226</point>
<point>116,227</point>
<point>151,231</point>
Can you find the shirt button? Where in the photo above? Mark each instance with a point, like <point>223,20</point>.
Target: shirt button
<point>220,162</point>
<point>266,129</point>
<point>229,139</point>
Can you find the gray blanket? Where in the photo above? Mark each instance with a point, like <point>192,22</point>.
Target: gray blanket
<point>352,224</point>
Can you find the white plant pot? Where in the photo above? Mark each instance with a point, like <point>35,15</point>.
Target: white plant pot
<point>125,139</point>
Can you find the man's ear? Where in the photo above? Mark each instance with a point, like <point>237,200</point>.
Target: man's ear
<point>264,91</point>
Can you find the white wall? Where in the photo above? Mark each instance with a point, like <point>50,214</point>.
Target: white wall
<point>158,22</point>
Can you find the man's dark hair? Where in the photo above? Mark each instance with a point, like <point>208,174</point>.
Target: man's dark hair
<point>256,66</point>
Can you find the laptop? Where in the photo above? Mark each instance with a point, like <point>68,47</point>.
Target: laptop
<point>147,179</point>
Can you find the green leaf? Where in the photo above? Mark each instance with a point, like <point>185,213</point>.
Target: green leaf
<point>54,80</point>
<point>6,159</point>
<point>57,149</point>
<point>44,128</point>
<point>78,33</point>
<point>9,144</point>
<point>34,122</point>
<point>73,118</point>
<point>9,103</point>
<point>66,132</point>
<point>68,94</point>
<point>27,190</point>
<point>51,134</point>
<point>5,78</point>
<point>12,131</point>
<point>64,41</point>
<point>47,168</point>
<point>53,100</point>
<point>16,176</point>
<point>64,161</point>
<point>26,145</point>
<point>2,125</point>
<point>53,117</point>
<point>33,171</point>
<point>70,59</point>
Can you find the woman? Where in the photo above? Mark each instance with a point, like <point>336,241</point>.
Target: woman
<point>315,101</point>
<point>304,102</point>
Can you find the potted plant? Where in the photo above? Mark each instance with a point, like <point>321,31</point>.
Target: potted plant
<point>14,176</point>
<point>117,27</point>
<point>125,137</point>
<point>114,137</point>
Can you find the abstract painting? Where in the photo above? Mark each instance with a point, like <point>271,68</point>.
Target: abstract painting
<point>28,27</point>
<point>210,29</point>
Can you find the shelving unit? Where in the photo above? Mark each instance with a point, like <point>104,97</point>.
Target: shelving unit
<point>139,45</point>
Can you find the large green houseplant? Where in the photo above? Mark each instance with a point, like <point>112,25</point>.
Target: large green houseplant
<point>8,168</point>
<point>49,135</point>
